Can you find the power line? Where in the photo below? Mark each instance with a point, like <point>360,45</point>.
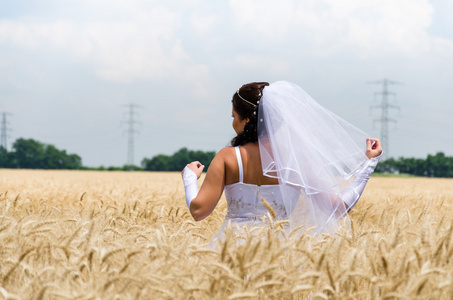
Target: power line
<point>5,130</point>
<point>385,106</point>
<point>131,122</point>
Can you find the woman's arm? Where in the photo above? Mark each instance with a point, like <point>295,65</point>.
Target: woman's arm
<point>351,195</point>
<point>202,203</point>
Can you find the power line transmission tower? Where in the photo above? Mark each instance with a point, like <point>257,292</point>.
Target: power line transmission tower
<point>385,106</point>
<point>5,130</point>
<point>130,133</point>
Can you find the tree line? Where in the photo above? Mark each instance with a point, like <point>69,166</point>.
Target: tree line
<point>31,154</point>
<point>177,161</point>
<point>437,165</point>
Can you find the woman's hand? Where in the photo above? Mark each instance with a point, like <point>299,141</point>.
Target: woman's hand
<point>196,167</point>
<point>373,148</point>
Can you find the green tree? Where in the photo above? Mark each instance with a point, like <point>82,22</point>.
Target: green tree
<point>53,158</point>
<point>157,163</point>
<point>387,166</point>
<point>437,165</point>
<point>177,161</point>
<point>28,154</point>
<point>6,159</point>
<point>73,161</point>
<point>31,154</point>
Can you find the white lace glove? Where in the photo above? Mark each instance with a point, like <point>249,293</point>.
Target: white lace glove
<point>189,179</point>
<point>351,195</point>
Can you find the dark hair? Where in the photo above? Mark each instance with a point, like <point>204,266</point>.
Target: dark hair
<point>248,108</point>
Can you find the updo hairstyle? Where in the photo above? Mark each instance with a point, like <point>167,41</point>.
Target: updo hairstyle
<point>245,103</point>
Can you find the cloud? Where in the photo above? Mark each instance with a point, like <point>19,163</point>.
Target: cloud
<point>145,47</point>
<point>203,24</point>
<point>364,28</point>
<point>271,19</point>
<point>261,63</point>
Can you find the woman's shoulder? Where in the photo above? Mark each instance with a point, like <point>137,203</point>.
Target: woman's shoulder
<point>227,155</point>
<point>226,152</point>
<point>231,152</point>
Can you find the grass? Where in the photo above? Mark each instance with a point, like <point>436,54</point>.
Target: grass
<point>128,235</point>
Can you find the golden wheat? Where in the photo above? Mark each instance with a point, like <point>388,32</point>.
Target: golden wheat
<point>128,235</point>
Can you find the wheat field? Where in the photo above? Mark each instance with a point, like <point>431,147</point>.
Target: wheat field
<point>128,235</point>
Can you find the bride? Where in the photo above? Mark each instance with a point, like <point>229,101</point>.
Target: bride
<point>308,164</point>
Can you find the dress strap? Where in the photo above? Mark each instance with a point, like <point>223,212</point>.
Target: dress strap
<point>239,158</point>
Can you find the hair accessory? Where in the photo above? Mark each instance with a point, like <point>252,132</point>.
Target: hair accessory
<point>237,92</point>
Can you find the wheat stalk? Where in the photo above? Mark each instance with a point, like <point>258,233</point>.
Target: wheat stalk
<point>134,237</point>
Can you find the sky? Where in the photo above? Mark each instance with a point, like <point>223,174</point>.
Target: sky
<point>69,69</point>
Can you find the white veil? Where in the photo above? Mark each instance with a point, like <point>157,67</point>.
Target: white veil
<point>312,152</point>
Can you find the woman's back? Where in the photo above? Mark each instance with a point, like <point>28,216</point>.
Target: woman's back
<point>251,162</point>
<point>245,197</point>
<point>245,194</point>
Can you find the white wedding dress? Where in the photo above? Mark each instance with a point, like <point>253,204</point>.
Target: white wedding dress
<point>318,158</point>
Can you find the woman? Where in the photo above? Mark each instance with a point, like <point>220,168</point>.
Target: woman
<point>297,156</point>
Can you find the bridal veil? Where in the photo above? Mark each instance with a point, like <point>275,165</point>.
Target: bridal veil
<point>313,153</point>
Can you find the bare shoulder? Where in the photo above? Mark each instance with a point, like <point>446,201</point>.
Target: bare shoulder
<point>226,151</point>
<point>220,165</point>
<point>226,154</point>
<point>228,157</point>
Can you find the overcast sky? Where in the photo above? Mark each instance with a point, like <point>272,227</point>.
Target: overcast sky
<point>69,68</point>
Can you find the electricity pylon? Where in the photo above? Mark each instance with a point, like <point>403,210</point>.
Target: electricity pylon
<point>385,106</point>
<point>5,130</point>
